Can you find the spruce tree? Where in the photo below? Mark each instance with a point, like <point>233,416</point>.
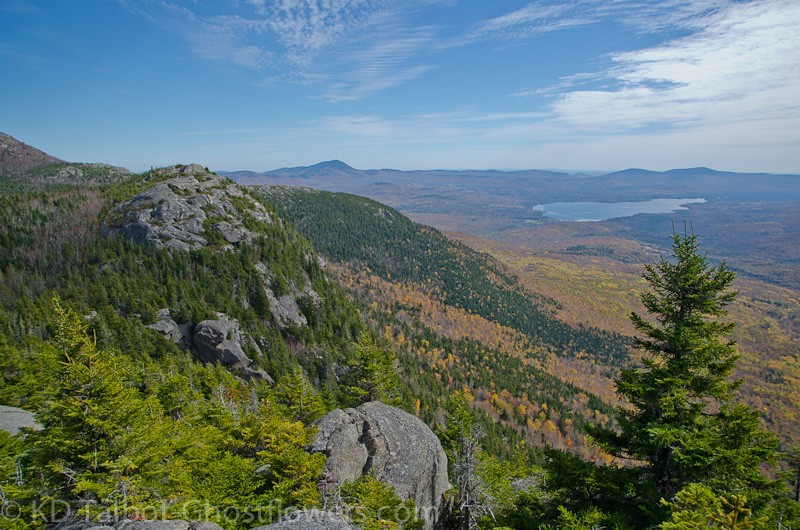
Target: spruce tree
<point>682,424</point>
<point>373,377</point>
<point>297,393</point>
<point>100,440</point>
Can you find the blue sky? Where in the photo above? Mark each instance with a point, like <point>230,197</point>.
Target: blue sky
<point>262,84</point>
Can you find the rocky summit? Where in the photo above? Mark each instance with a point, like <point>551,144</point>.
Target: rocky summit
<point>397,447</point>
<point>189,208</point>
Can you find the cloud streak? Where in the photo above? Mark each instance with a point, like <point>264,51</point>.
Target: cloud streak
<point>741,64</point>
<point>718,95</point>
<point>720,66</point>
<point>352,47</point>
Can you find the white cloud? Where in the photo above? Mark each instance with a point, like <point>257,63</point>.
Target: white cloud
<point>368,126</point>
<point>351,48</point>
<point>644,16</point>
<point>386,64</point>
<point>532,20</point>
<point>727,84</point>
<point>259,5</point>
<point>742,64</point>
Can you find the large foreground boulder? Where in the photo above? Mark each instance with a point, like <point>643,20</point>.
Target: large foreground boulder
<point>127,524</point>
<point>167,524</point>
<point>398,447</point>
<point>311,520</point>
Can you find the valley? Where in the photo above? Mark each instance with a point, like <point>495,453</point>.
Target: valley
<point>251,326</point>
<point>590,272</point>
<point>760,209</point>
<point>391,265</point>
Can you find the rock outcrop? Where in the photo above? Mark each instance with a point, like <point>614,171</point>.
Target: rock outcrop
<point>12,419</point>
<point>398,447</point>
<point>190,208</point>
<point>311,520</point>
<point>213,341</point>
<point>221,341</point>
<point>180,334</point>
<point>32,166</point>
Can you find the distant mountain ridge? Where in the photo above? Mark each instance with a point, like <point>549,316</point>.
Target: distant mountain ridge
<point>338,165</point>
<point>26,166</point>
<point>404,189</point>
<point>333,164</point>
<point>504,199</point>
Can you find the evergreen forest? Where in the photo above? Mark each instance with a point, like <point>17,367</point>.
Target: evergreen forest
<point>337,301</point>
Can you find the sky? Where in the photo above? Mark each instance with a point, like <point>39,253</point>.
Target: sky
<point>576,85</point>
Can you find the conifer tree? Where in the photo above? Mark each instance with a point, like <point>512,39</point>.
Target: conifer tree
<point>373,377</point>
<point>296,392</point>
<point>461,438</point>
<point>99,439</point>
<point>682,423</point>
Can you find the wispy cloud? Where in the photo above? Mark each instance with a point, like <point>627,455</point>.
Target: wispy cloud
<point>387,64</point>
<point>734,60</point>
<point>352,48</point>
<point>741,63</point>
<point>220,37</point>
<point>305,27</point>
<point>648,16</point>
<point>24,58</point>
<point>719,94</point>
<point>643,16</point>
<point>532,20</point>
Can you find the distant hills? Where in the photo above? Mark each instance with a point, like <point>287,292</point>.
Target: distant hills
<point>632,184</point>
<point>22,165</point>
<point>176,266</point>
<point>750,219</point>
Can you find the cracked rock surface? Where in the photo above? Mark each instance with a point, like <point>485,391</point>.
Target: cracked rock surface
<point>398,447</point>
<point>188,208</point>
<point>311,520</point>
<point>180,212</point>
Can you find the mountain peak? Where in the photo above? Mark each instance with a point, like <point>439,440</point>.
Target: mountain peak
<point>693,171</point>
<point>333,164</point>
<point>632,172</point>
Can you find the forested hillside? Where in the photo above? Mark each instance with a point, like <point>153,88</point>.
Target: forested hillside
<point>461,316</point>
<point>162,374</point>
<point>592,286</point>
<point>54,245</point>
<point>664,425</point>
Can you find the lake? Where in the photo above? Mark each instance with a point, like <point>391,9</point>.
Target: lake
<point>600,211</point>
